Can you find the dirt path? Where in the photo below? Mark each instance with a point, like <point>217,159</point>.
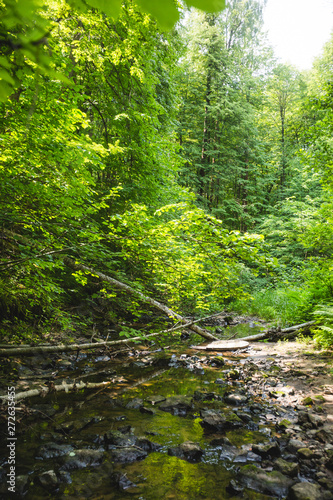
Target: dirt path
<point>303,370</point>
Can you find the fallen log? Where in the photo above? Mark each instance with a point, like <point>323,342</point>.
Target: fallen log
<point>122,286</point>
<point>30,351</point>
<point>278,334</point>
<point>43,391</point>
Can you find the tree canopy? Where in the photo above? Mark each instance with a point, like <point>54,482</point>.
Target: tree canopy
<point>179,157</point>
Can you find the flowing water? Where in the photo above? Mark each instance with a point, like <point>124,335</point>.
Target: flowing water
<point>81,420</point>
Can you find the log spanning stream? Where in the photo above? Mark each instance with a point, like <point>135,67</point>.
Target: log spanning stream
<point>181,425</point>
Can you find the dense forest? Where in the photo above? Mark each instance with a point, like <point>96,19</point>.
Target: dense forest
<point>180,158</point>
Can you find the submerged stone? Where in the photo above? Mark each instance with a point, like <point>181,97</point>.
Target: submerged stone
<point>117,438</point>
<point>128,455</point>
<point>177,405</point>
<point>122,481</point>
<point>135,404</point>
<point>83,458</point>
<point>53,450</point>
<point>153,400</point>
<point>190,451</point>
<point>48,480</point>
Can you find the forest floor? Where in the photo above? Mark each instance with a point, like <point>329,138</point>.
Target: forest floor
<point>307,370</point>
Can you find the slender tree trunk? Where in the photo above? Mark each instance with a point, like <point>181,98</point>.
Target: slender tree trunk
<point>121,286</point>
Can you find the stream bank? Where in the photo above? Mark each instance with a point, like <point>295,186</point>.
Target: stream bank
<point>177,424</point>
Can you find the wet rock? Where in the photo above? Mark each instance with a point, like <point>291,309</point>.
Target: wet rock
<point>220,381</point>
<point>73,426</point>
<point>135,404</point>
<point>126,429</point>
<point>233,374</point>
<point>177,405</point>
<point>286,468</point>
<point>269,483</point>
<point>305,491</point>
<point>148,411</point>
<point>83,458</point>
<point>64,477</point>
<point>218,361</point>
<point>220,441</point>
<point>147,445</point>
<point>153,400</point>
<point>128,455</point>
<point>294,445</point>
<point>214,421</point>
<point>22,484</point>
<point>121,481</point>
<point>206,396</point>
<point>48,480</point>
<point>229,453</point>
<point>44,410</point>
<point>235,399</point>
<point>307,401</point>
<point>246,417</point>
<point>305,453</point>
<point>53,450</point>
<point>325,435</point>
<point>117,438</point>
<point>282,425</point>
<point>267,450</point>
<point>234,488</point>
<point>192,452</point>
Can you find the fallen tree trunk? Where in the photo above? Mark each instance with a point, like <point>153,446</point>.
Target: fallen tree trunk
<point>30,351</point>
<point>276,334</point>
<point>158,305</point>
<point>43,391</point>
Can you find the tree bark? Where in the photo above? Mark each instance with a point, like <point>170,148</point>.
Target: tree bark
<point>121,286</point>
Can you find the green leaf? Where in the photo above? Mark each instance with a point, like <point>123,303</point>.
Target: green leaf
<point>166,13</point>
<point>207,5</point>
<point>110,7</point>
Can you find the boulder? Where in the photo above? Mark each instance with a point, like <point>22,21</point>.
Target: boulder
<point>269,483</point>
<point>305,491</point>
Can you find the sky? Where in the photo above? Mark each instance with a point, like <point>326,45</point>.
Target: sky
<point>298,29</point>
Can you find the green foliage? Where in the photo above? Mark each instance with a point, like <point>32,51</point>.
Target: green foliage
<point>324,333</point>
<point>282,306</point>
<point>185,254</point>
<point>25,28</point>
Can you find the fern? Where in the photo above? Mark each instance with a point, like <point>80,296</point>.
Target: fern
<point>324,333</point>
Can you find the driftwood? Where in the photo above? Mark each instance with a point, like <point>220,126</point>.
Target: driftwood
<point>30,350</point>
<point>278,334</point>
<point>43,391</point>
<point>158,305</point>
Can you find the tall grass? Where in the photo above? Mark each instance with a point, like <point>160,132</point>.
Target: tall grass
<point>281,306</point>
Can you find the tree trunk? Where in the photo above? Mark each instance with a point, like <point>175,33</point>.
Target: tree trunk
<point>132,291</point>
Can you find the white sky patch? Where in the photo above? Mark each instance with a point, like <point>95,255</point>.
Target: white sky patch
<point>298,29</point>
